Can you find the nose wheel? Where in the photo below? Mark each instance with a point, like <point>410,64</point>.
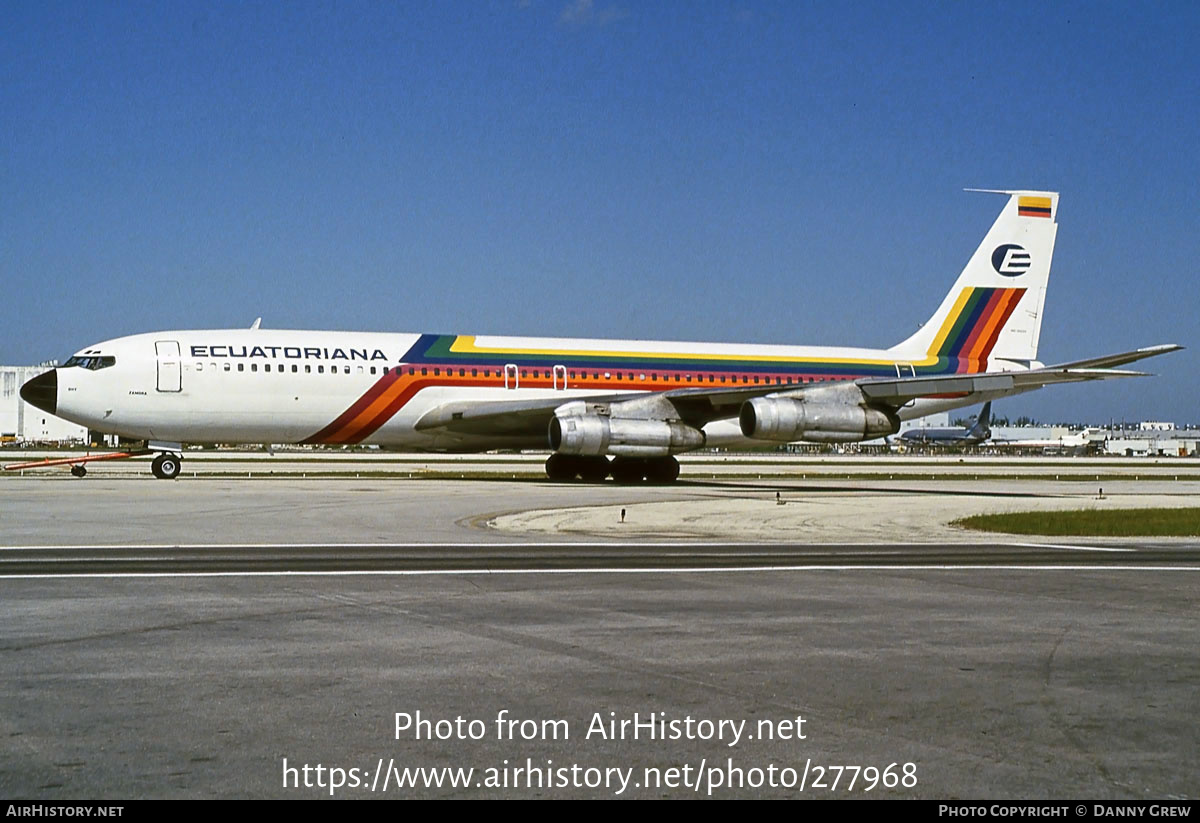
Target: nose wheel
<point>166,466</point>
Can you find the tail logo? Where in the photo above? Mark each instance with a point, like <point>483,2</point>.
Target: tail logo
<point>1010,260</point>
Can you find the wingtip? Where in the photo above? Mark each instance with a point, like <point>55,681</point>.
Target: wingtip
<point>1164,348</point>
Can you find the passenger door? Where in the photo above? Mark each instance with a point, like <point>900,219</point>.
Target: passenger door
<point>168,365</point>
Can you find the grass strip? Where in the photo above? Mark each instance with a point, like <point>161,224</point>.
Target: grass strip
<point>1091,523</point>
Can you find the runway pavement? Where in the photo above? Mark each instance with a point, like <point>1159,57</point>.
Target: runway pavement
<point>431,558</point>
<point>200,639</point>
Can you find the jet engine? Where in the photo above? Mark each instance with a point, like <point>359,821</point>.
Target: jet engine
<point>785,419</point>
<point>583,429</point>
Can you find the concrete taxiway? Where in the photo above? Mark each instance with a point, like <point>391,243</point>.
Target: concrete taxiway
<point>183,639</point>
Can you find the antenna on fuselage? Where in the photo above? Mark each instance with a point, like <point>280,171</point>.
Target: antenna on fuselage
<point>257,322</point>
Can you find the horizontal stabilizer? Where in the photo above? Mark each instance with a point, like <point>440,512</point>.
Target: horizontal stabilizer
<point>1121,359</point>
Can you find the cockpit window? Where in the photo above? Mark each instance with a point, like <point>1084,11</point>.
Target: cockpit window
<point>90,362</point>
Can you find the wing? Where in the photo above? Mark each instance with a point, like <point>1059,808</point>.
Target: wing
<point>898,391</point>
<point>531,418</point>
<point>698,406</point>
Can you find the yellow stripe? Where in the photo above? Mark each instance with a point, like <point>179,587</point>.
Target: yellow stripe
<point>465,344</point>
<point>1033,202</point>
<point>951,319</point>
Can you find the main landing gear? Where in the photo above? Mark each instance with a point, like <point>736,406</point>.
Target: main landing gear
<point>166,466</point>
<point>625,470</point>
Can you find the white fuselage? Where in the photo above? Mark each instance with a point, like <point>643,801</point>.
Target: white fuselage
<point>285,386</point>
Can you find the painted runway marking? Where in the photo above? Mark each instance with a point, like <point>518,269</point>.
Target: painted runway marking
<point>610,544</point>
<point>1071,548</point>
<point>586,571</point>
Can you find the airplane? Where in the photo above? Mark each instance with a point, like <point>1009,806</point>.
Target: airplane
<point>955,435</point>
<point>623,408</point>
<point>1078,443</point>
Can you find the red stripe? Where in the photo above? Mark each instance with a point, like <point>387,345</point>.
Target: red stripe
<point>387,412</point>
<point>994,298</point>
<point>359,405</point>
<point>991,343</point>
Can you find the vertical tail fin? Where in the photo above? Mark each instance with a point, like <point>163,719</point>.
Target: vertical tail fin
<point>994,310</point>
<point>982,428</point>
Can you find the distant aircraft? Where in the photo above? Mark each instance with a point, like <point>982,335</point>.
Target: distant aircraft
<point>954,435</point>
<point>619,407</point>
<point>1076,443</point>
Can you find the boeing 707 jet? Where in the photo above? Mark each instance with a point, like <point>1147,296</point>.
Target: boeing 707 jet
<point>601,407</point>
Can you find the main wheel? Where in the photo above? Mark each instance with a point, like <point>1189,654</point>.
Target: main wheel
<point>79,471</point>
<point>593,469</point>
<point>166,466</point>
<point>561,467</point>
<point>662,470</point>
<point>628,469</point>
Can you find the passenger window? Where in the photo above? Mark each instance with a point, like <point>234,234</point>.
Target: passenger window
<point>253,367</point>
<point>320,369</point>
<point>437,372</point>
<point>474,372</point>
<point>199,367</point>
<point>307,369</point>
<point>241,366</point>
<point>360,370</point>
<point>372,370</point>
<point>226,367</point>
<point>424,370</point>
<point>462,372</point>
<point>345,369</point>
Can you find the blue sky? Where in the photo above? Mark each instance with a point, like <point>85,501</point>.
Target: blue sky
<point>770,172</point>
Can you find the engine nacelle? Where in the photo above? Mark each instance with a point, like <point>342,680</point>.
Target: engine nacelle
<point>785,419</point>
<point>595,434</point>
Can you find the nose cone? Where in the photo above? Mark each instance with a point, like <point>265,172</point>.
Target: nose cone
<point>42,391</point>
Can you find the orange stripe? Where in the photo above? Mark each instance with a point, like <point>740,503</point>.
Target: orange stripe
<point>989,326</point>
<point>368,414</point>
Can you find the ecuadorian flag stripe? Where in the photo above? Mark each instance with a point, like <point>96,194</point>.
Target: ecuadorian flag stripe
<point>1033,206</point>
